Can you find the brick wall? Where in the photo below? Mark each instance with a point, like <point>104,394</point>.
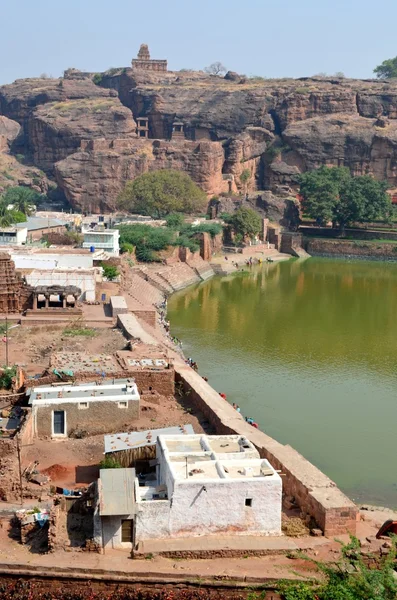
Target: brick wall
<point>315,494</point>
<point>99,417</point>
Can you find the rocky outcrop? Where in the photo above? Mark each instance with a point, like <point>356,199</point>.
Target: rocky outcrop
<point>213,128</point>
<point>9,130</point>
<point>111,164</point>
<point>56,129</point>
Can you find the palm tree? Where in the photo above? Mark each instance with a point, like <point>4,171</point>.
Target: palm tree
<point>21,198</point>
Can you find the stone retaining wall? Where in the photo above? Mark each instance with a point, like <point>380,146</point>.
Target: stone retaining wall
<point>314,492</point>
<point>354,249</point>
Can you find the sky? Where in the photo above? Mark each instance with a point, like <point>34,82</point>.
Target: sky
<point>268,38</point>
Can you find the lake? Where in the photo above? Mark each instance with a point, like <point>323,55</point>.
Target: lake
<point>308,349</point>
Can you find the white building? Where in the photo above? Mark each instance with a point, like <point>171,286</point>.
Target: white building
<point>13,236</point>
<point>85,279</point>
<point>102,239</point>
<point>203,485</point>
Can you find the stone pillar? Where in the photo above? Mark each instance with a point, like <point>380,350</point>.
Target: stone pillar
<point>64,300</point>
<point>34,301</point>
<point>47,301</point>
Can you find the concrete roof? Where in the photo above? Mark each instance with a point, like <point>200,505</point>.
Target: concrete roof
<point>138,439</point>
<point>119,390</point>
<point>116,491</point>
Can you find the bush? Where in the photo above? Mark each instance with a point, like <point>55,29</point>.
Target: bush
<point>109,463</point>
<point>109,271</point>
<point>98,78</point>
<point>6,377</point>
<point>174,221</point>
<point>127,248</point>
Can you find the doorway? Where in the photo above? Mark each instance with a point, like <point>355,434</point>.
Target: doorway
<point>58,423</point>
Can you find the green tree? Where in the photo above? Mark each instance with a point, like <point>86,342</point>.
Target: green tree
<point>387,70</point>
<point>22,199</point>
<point>246,222</point>
<point>332,194</point>
<point>174,221</point>
<point>110,271</point>
<point>159,193</point>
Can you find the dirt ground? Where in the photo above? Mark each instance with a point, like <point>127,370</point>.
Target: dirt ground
<point>31,347</point>
<point>80,458</point>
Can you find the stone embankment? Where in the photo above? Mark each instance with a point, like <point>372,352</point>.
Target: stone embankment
<point>317,496</point>
<point>365,250</point>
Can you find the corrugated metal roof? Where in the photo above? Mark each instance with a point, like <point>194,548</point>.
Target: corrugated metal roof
<point>117,492</point>
<point>33,223</point>
<point>137,439</point>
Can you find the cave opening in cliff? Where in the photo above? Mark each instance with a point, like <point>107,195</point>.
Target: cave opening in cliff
<point>276,121</point>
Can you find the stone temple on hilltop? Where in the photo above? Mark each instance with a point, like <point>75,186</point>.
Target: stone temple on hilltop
<point>144,62</point>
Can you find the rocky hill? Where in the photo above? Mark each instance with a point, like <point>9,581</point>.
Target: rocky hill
<point>88,133</point>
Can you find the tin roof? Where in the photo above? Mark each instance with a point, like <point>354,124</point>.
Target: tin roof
<point>117,491</point>
<point>138,439</point>
<point>33,223</point>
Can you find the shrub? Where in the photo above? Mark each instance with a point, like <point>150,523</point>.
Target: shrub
<point>127,248</point>
<point>174,221</point>
<point>6,377</point>
<point>109,271</point>
<point>98,78</point>
<point>109,463</point>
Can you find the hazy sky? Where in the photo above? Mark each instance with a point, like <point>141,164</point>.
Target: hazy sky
<point>271,38</point>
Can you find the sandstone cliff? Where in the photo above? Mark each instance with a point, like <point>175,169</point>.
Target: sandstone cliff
<point>274,128</point>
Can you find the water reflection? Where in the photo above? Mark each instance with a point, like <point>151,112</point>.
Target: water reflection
<point>308,349</point>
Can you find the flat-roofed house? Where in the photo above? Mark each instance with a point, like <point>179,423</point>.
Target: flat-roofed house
<point>203,485</point>
<point>59,410</point>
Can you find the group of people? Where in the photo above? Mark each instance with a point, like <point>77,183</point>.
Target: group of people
<point>192,364</point>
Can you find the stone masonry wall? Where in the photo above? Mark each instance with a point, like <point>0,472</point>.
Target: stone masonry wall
<point>99,417</point>
<point>162,381</point>
<point>313,491</point>
<point>357,249</point>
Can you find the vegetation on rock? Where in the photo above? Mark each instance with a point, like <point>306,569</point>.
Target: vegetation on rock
<point>332,194</point>
<point>215,68</point>
<point>387,70</point>
<point>159,193</point>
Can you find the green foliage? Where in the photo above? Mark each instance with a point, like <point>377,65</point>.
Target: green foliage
<point>246,222</point>
<point>212,228</point>
<point>6,377</point>
<point>109,463</point>
<point>332,194</point>
<point>127,248</point>
<point>174,221</point>
<point>159,193</point>
<point>75,330</point>
<point>109,271</point>
<point>225,216</point>
<point>303,90</point>
<point>348,579</point>
<point>387,70</point>
<point>98,78</point>
<point>187,242</point>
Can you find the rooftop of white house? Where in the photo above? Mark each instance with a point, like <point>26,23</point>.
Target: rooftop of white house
<point>197,458</point>
<point>118,390</point>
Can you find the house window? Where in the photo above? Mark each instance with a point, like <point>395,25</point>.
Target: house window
<point>126,530</point>
<point>248,502</point>
<point>123,404</point>
<point>83,405</point>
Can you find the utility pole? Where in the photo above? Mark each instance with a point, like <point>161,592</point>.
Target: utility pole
<point>19,468</point>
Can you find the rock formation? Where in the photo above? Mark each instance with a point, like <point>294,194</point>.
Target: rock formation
<point>84,129</point>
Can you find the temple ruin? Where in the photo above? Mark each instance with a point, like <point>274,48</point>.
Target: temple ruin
<point>144,62</point>
<point>15,293</point>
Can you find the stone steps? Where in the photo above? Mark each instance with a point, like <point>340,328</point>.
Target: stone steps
<point>143,291</point>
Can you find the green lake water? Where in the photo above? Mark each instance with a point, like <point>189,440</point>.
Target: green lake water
<point>309,350</point>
